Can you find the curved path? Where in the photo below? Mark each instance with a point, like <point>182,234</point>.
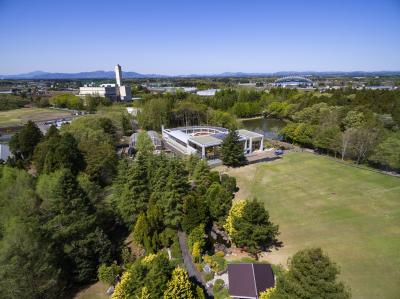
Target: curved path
<point>189,265</point>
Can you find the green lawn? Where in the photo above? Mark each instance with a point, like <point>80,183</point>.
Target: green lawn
<point>21,116</point>
<point>353,214</point>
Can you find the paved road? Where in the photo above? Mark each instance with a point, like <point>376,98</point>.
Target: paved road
<point>189,265</point>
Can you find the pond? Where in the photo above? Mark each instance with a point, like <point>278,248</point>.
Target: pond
<point>270,127</point>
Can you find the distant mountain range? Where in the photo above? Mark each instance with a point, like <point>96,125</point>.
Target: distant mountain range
<point>110,75</point>
<point>82,75</point>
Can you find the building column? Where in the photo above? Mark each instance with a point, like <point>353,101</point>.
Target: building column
<point>203,152</point>
<point>262,144</point>
<point>251,145</point>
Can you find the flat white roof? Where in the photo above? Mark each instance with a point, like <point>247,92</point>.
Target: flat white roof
<point>205,140</point>
<point>249,134</point>
<point>179,134</point>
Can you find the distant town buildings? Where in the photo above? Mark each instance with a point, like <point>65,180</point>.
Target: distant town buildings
<point>207,92</point>
<point>294,81</point>
<point>159,88</point>
<point>114,92</point>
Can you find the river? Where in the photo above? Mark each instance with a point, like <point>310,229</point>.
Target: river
<point>270,127</point>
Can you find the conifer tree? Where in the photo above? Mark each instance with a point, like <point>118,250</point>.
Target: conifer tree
<point>219,201</point>
<point>248,226</point>
<point>232,152</point>
<point>141,232</point>
<point>201,174</point>
<point>179,287</point>
<point>195,212</point>
<point>311,275</point>
<point>23,143</point>
<point>176,189</point>
<point>144,143</point>
<point>70,220</point>
<point>135,195</point>
<point>144,294</point>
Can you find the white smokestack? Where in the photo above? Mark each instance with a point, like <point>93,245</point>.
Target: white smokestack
<point>118,74</point>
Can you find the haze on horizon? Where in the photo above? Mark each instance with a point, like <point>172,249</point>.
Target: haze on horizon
<point>205,37</point>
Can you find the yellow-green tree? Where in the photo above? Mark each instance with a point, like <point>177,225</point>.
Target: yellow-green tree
<point>196,252</point>
<point>235,212</point>
<point>268,293</point>
<point>179,286</point>
<point>122,290</point>
<point>144,294</point>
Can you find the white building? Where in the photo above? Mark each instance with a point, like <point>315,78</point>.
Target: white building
<point>207,93</point>
<point>125,93</point>
<point>4,152</point>
<point>114,92</point>
<point>206,141</point>
<point>118,74</point>
<point>104,91</point>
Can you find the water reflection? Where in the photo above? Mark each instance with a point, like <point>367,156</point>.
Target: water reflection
<point>270,127</point>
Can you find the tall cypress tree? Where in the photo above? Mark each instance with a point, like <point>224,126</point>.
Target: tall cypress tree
<point>176,188</point>
<point>135,196</point>
<point>219,201</point>
<point>232,153</point>
<point>70,220</point>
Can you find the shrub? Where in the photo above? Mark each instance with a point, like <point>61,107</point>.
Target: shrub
<point>218,285</point>
<point>197,235</point>
<point>217,263</point>
<point>107,274</point>
<point>209,276</point>
<point>220,263</point>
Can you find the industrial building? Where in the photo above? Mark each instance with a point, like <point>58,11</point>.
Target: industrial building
<point>114,92</point>
<point>205,141</point>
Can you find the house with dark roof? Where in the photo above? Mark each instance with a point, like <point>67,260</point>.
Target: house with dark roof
<point>248,280</point>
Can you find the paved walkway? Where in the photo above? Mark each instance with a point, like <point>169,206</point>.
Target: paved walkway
<point>189,265</point>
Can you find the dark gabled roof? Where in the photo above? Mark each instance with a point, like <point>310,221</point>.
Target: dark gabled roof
<point>264,277</point>
<point>248,280</point>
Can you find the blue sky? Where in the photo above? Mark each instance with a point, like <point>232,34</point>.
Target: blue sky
<point>183,37</point>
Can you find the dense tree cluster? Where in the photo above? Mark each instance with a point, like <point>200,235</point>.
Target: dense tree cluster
<point>9,102</point>
<point>358,124</point>
<point>56,228</point>
<point>51,236</point>
<point>152,272</point>
<point>349,123</point>
<point>67,100</point>
<point>155,194</point>
<point>181,110</point>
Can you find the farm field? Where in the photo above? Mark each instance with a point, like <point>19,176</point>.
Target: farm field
<point>17,117</point>
<point>353,214</point>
